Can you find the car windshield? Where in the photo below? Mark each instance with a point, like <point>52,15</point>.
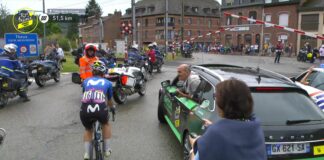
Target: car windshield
<point>278,107</point>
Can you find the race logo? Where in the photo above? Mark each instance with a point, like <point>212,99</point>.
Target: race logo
<point>97,82</point>
<point>25,20</point>
<point>92,109</point>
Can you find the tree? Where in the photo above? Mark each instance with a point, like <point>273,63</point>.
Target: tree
<point>93,9</point>
<point>51,28</point>
<point>73,31</point>
<point>5,21</point>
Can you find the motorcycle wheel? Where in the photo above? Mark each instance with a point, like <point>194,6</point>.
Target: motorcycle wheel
<point>119,96</point>
<point>39,82</point>
<point>142,91</point>
<point>57,76</point>
<point>3,100</point>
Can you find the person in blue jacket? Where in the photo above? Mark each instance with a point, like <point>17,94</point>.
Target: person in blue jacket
<point>13,68</point>
<point>237,135</point>
<point>134,54</point>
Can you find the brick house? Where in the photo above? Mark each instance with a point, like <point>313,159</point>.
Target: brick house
<point>91,30</point>
<point>200,17</point>
<point>311,19</point>
<point>282,12</point>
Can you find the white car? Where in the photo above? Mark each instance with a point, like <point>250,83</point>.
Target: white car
<point>315,89</point>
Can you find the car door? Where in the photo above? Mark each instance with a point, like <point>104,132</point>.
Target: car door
<point>206,109</point>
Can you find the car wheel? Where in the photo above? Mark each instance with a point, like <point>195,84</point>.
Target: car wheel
<point>186,146</point>
<point>161,112</point>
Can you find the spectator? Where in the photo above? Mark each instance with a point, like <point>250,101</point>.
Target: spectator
<point>60,54</point>
<point>321,52</point>
<point>279,49</point>
<point>289,49</point>
<point>237,136</point>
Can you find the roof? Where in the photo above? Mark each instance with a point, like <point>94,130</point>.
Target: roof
<point>319,69</point>
<point>175,7</point>
<point>251,76</point>
<point>312,5</point>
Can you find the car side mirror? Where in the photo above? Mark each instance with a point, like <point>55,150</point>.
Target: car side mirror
<point>166,83</point>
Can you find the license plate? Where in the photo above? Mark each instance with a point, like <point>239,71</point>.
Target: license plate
<point>34,71</point>
<point>280,149</point>
<point>318,150</point>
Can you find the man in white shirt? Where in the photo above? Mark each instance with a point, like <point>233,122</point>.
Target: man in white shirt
<point>191,81</point>
<point>60,54</point>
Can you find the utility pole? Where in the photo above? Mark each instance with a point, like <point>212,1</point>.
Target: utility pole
<point>182,24</point>
<point>166,24</point>
<point>134,21</point>
<point>262,34</point>
<point>44,28</point>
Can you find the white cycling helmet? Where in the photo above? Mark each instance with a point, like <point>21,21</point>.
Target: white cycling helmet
<point>10,48</point>
<point>99,66</point>
<point>154,44</point>
<point>135,46</point>
<point>150,45</point>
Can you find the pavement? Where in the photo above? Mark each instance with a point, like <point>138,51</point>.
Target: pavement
<point>49,128</point>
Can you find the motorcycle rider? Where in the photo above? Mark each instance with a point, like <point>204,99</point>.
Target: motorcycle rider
<point>97,96</point>
<point>13,67</point>
<point>152,56</point>
<point>157,52</point>
<point>134,53</point>
<point>87,60</point>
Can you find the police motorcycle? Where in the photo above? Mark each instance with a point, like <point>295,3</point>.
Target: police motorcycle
<point>13,86</point>
<point>136,59</point>
<point>45,69</point>
<point>304,56</point>
<point>159,59</point>
<point>126,81</point>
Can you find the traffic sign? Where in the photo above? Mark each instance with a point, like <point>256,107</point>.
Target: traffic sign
<point>27,43</point>
<point>66,11</point>
<point>43,18</point>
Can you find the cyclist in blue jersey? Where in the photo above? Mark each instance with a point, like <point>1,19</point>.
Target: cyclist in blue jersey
<point>97,96</point>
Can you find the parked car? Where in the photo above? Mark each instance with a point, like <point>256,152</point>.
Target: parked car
<point>293,125</point>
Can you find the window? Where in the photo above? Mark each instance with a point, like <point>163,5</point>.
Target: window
<point>195,9</point>
<point>159,34</point>
<point>204,95</point>
<point>189,33</point>
<point>267,38</point>
<point>199,33</point>
<point>283,19</point>
<point>283,0</point>
<point>228,40</point>
<point>171,21</point>
<point>151,9</point>
<point>189,20</point>
<point>146,22</point>
<point>146,34</point>
<point>297,106</point>
<point>253,15</point>
<point>310,22</point>
<point>268,1</point>
<point>229,20</point>
<point>268,17</point>
<point>229,2</point>
<point>160,21</point>
<point>248,39</point>
<point>239,20</point>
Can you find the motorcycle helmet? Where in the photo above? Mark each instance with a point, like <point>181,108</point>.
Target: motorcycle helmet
<point>90,47</point>
<point>99,66</point>
<point>135,46</point>
<point>150,45</point>
<point>10,49</point>
<point>154,44</point>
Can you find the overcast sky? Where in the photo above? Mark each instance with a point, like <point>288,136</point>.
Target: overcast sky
<point>108,6</point>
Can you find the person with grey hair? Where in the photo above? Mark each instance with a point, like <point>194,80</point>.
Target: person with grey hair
<point>191,81</point>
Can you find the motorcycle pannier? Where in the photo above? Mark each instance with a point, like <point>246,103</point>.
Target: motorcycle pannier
<point>76,78</point>
<point>9,84</point>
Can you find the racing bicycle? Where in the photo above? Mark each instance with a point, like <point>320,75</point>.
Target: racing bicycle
<point>98,142</point>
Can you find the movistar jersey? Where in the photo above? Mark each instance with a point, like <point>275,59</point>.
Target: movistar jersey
<point>96,90</point>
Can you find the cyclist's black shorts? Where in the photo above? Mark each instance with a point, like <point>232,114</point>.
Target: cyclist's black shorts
<point>91,112</point>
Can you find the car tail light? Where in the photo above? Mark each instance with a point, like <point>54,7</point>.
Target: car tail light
<point>270,89</point>
<point>124,80</point>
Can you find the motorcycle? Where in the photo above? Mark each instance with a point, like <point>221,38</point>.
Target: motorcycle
<point>126,81</point>
<point>43,71</point>
<point>304,56</point>
<point>2,136</point>
<point>9,87</point>
<point>157,65</point>
<point>143,64</point>
<point>187,53</point>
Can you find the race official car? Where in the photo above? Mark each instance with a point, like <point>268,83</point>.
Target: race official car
<point>293,125</point>
<point>316,94</point>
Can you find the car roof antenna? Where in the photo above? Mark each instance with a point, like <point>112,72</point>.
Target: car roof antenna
<point>259,75</point>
